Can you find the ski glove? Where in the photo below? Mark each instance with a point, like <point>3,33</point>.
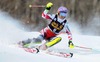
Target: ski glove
<point>70,44</point>
<point>49,5</point>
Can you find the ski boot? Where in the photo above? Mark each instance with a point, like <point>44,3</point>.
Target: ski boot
<point>29,43</point>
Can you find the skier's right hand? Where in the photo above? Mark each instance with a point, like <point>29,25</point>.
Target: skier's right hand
<point>70,44</point>
<point>49,5</point>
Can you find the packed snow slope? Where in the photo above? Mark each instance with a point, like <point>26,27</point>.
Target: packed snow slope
<point>10,33</point>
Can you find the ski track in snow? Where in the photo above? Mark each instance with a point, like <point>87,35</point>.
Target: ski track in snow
<point>10,34</point>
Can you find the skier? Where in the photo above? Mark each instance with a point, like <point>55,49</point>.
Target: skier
<point>57,23</point>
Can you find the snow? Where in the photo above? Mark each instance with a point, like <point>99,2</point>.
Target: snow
<point>10,33</point>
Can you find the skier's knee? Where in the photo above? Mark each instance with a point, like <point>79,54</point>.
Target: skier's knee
<point>27,41</point>
<point>36,40</point>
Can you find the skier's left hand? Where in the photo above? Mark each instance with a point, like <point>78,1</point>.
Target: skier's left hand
<point>70,44</point>
<point>49,5</point>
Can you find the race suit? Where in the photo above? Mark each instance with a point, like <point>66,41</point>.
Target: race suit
<point>55,27</point>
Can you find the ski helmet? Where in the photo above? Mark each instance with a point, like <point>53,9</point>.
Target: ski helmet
<point>62,11</point>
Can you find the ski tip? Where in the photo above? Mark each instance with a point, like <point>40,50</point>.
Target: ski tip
<point>37,50</point>
<point>71,54</point>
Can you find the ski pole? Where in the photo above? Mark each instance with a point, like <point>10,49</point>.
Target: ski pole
<point>83,47</point>
<point>36,6</point>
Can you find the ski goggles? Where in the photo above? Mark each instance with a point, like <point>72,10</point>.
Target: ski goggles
<point>63,14</point>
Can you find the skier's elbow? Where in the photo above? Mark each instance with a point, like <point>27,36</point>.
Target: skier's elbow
<point>43,15</point>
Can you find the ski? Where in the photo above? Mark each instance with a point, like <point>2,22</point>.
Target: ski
<point>31,50</point>
<point>60,54</point>
<point>50,52</point>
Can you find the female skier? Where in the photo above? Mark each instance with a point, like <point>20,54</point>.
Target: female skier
<point>57,24</point>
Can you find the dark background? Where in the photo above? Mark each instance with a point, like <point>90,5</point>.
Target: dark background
<point>86,13</point>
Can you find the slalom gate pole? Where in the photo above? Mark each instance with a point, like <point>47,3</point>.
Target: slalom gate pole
<point>83,47</point>
<point>36,6</point>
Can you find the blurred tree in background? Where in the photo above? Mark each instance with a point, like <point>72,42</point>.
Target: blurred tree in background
<point>80,10</point>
